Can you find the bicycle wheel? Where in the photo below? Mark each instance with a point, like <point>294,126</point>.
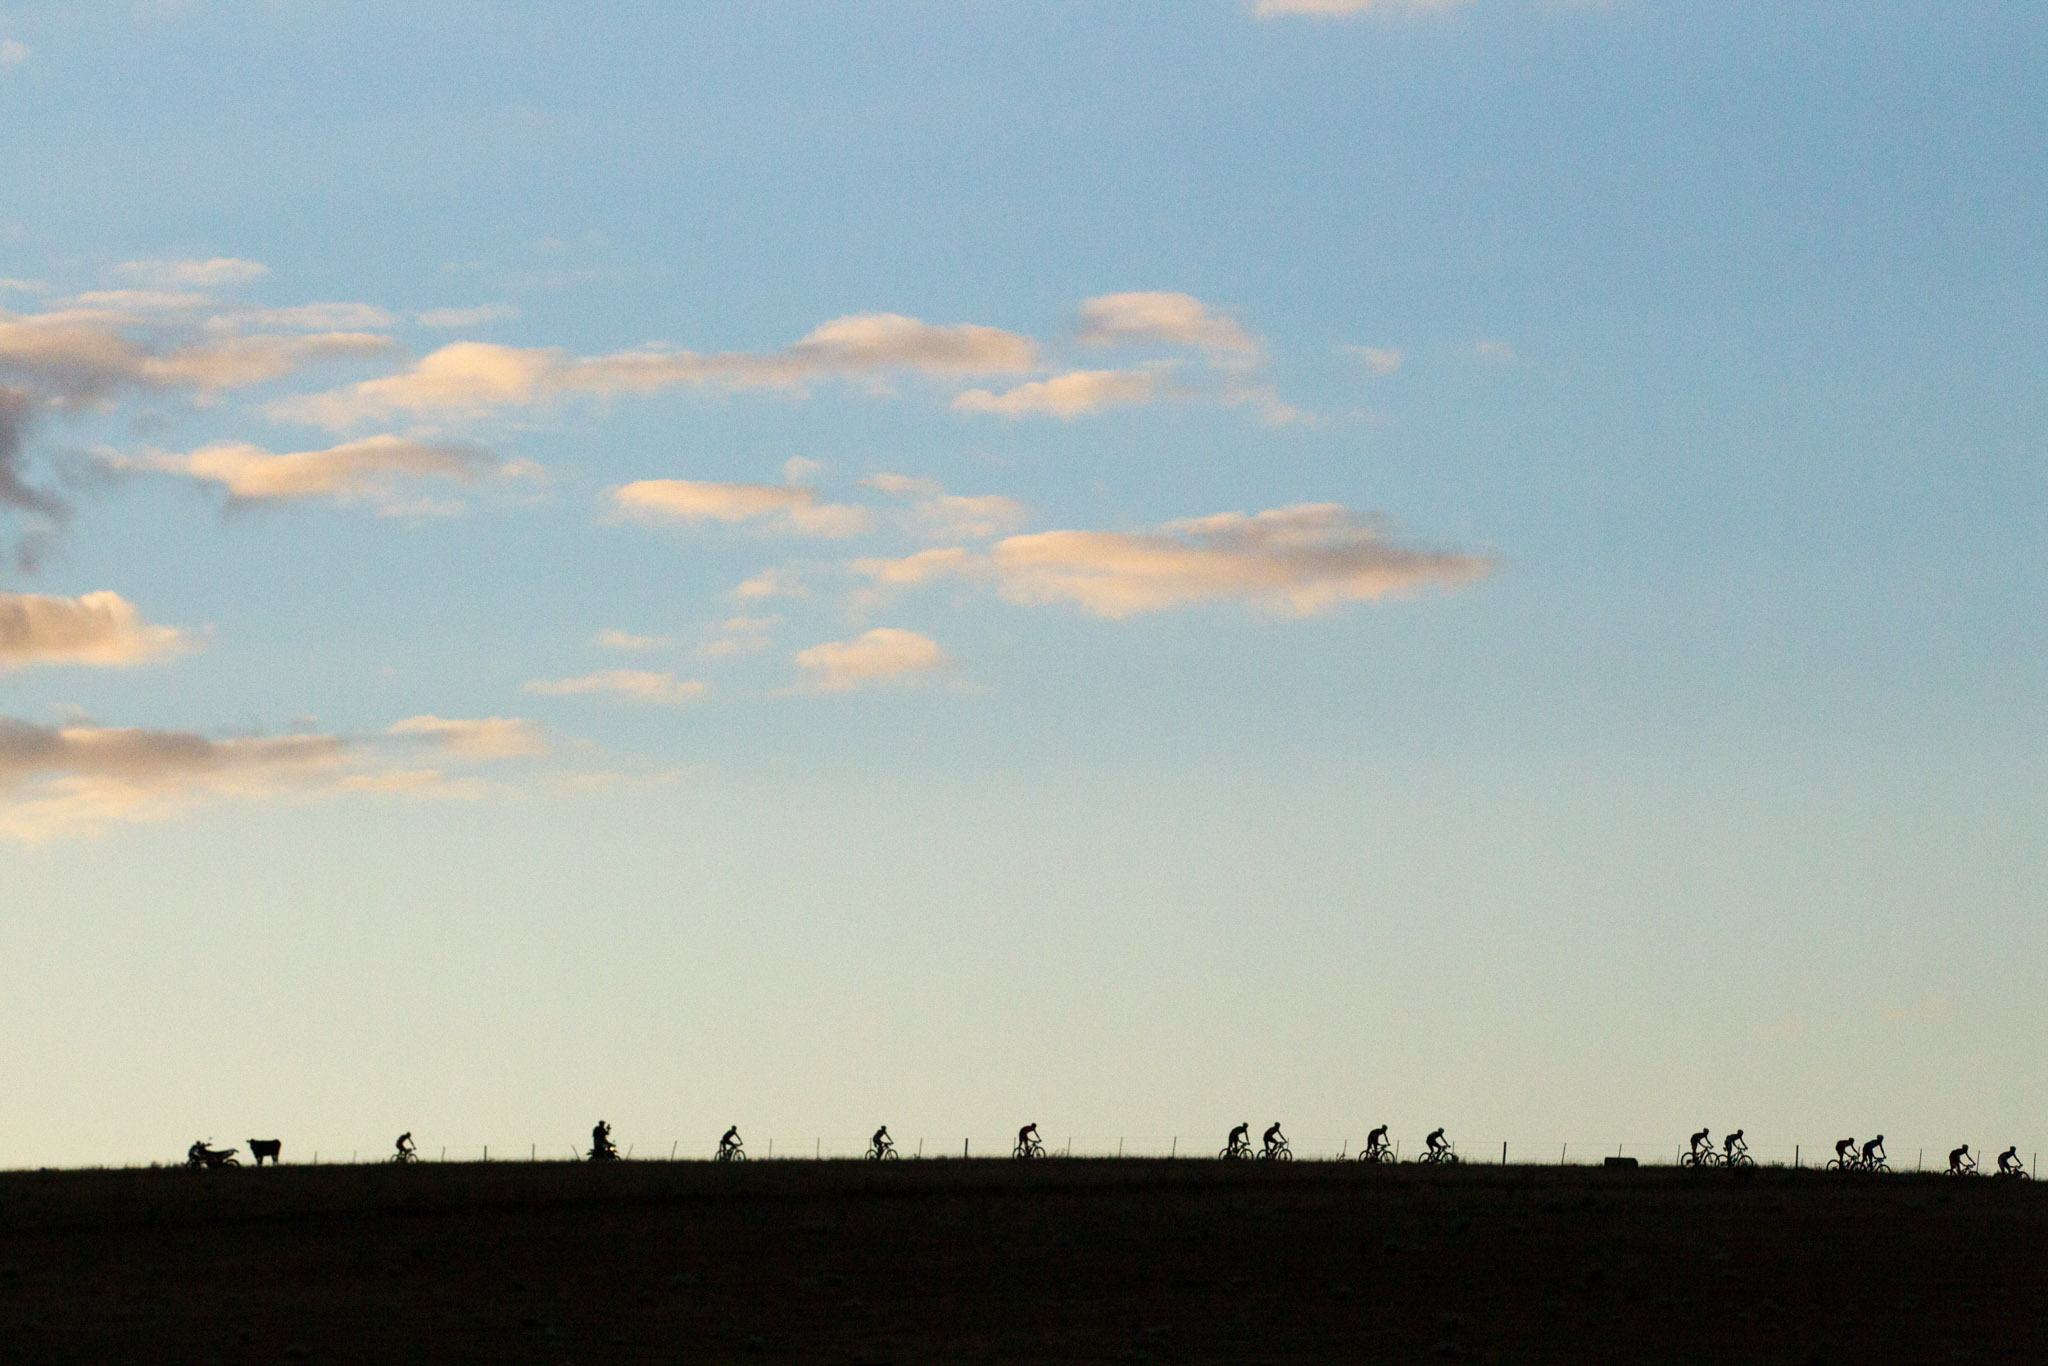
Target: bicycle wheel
<point>1742,1160</point>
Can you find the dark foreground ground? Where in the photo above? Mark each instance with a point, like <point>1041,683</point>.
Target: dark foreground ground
<point>1060,1261</point>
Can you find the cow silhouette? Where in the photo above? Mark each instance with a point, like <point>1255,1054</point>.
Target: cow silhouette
<point>260,1148</point>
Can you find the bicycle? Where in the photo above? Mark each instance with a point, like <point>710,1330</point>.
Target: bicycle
<point>1700,1159</point>
<point>1028,1148</point>
<point>1277,1151</point>
<point>1446,1156</point>
<point>1736,1158</point>
<point>404,1157</point>
<point>1240,1150</point>
<point>1377,1152</point>
<point>731,1152</point>
<point>882,1151</point>
<point>1964,1166</point>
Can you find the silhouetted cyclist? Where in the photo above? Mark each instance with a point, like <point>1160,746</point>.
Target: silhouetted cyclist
<point>1240,1142</point>
<point>882,1141</point>
<point>1377,1139</point>
<point>1843,1156</point>
<point>1702,1137</point>
<point>2009,1161</point>
<point>1873,1152</point>
<point>406,1151</point>
<point>1733,1147</point>
<point>730,1140</point>
<point>601,1143</point>
<point>1436,1141</point>
<point>1273,1137</point>
<point>1960,1161</point>
<point>1027,1136</point>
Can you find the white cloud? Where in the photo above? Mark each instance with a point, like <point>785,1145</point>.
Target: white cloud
<point>885,654</point>
<point>610,639</point>
<point>490,737</point>
<point>467,317</point>
<point>1296,560</point>
<point>1153,316</point>
<point>800,469</point>
<point>370,470</point>
<point>741,636</point>
<point>217,273</point>
<point>935,515</point>
<point>13,52</point>
<point>772,583</point>
<point>335,317</point>
<point>477,376</point>
<point>787,508</point>
<point>637,685</point>
<point>1379,360</point>
<point>78,779</point>
<point>98,630</point>
<point>1338,9</point>
<point>1071,395</point>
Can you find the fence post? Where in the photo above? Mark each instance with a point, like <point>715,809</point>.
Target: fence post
<point>1560,1153</point>
<point>1174,1151</point>
<point>1795,1157</point>
<point>1503,1152</point>
<point>487,1152</point>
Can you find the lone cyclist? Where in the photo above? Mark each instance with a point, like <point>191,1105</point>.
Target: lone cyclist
<point>1273,1137</point>
<point>730,1141</point>
<point>1873,1152</point>
<point>1959,1161</point>
<point>406,1151</point>
<point>882,1141</point>
<point>1239,1140</point>
<point>1027,1139</point>
<point>2009,1161</point>
<point>1705,1137</point>
<point>1436,1141</point>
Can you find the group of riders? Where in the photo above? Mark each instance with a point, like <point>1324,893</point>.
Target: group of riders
<point>1870,1157</point>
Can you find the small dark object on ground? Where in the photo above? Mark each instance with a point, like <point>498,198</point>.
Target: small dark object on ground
<point>1622,1163</point>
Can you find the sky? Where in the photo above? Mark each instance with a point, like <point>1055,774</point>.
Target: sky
<point>1466,563</point>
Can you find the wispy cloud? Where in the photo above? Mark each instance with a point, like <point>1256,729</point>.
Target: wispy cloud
<point>936,515</point>
<point>635,685</point>
<point>1074,394</point>
<point>1153,316</point>
<point>489,737</point>
<point>886,654</point>
<point>217,273</point>
<point>788,508</point>
<point>13,53</point>
<point>741,636</point>
<point>1297,560</point>
<point>1342,9</point>
<point>1379,360</point>
<point>609,639</point>
<point>95,630</point>
<point>374,470</point>
<point>479,376</point>
<point>478,316</point>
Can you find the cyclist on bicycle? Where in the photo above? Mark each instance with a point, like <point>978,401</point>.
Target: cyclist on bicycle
<point>1703,1136</point>
<point>1733,1144</point>
<point>1239,1139</point>
<point>1376,1140</point>
<point>1027,1136</point>
<point>406,1151</point>
<point>1273,1138</point>
<point>2009,1161</point>
<point>1959,1161</point>
<point>730,1141</point>
<point>1436,1141</point>
<point>882,1141</point>
<point>1843,1155</point>
<point>1873,1152</point>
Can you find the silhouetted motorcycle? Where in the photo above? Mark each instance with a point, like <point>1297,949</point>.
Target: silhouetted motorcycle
<point>199,1157</point>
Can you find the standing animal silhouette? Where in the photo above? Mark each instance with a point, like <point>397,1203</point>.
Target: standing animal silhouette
<point>260,1148</point>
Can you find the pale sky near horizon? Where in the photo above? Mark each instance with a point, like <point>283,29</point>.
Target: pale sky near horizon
<point>1139,567</point>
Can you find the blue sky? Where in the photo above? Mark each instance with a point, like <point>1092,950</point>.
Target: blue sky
<point>1132,566</point>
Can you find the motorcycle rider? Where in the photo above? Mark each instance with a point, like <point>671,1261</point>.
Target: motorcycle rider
<point>601,1142</point>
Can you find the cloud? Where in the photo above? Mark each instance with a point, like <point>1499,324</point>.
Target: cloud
<point>885,654</point>
<point>1176,319</point>
<point>490,737</point>
<point>799,468</point>
<point>13,52</point>
<point>1339,9</point>
<point>477,376</point>
<point>97,630</point>
<point>467,317</point>
<point>610,639</point>
<point>336,317</point>
<point>636,685</point>
<point>1499,352</point>
<point>935,515</point>
<point>214,274</point>
<point>772,583</point>
<point>788,508</point>
<point>741,636</point>
<point>78,779</point>
<point>1297,560</point>
<point>1071,395</point>
<point>369,470</point>
<point>1379,360</point>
